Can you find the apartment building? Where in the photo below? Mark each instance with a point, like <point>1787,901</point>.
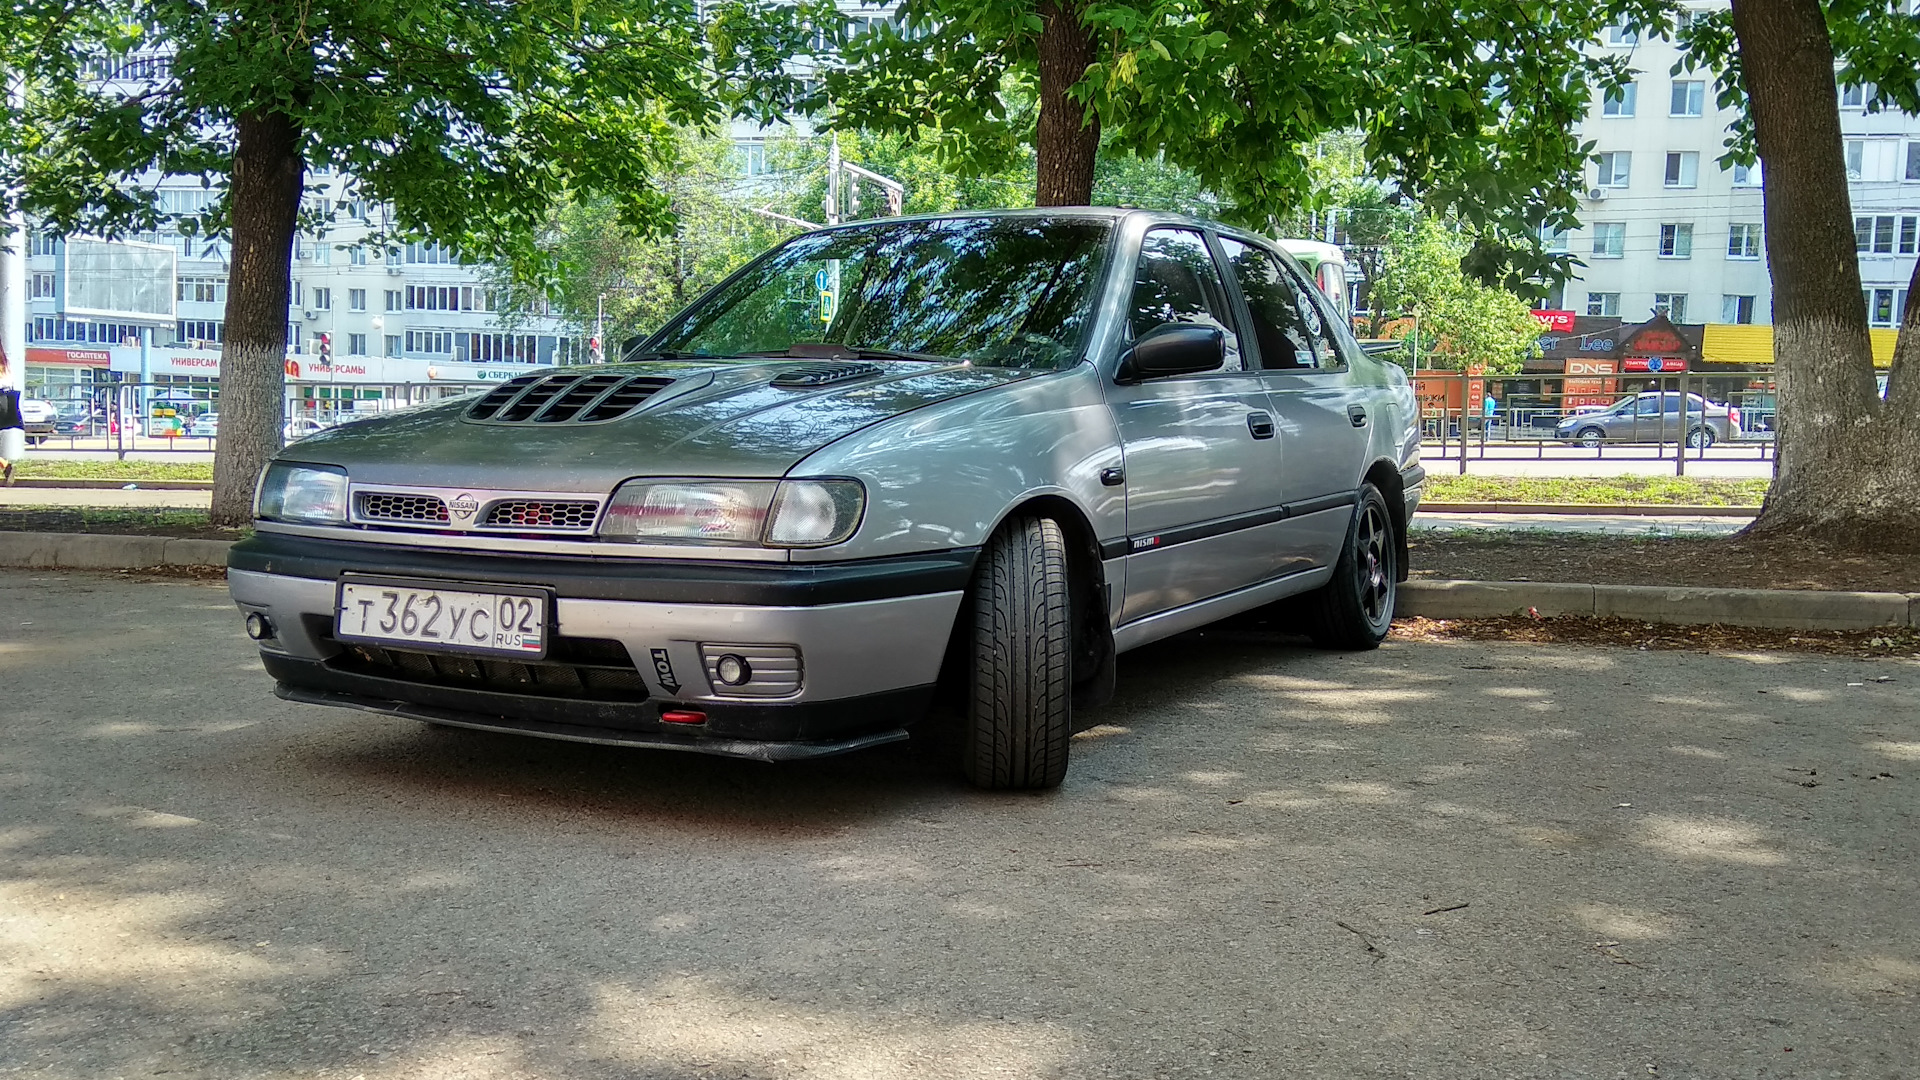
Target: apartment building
<point>1664,227</point>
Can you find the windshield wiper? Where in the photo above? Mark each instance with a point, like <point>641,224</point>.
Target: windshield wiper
<point>662,354</point>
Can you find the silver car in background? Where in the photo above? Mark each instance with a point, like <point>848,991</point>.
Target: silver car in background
<point>969,457</point>
<point>1653,416</point>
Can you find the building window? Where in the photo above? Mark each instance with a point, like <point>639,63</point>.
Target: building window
<point>752,155</point>
<point>434,297</point>
<point>1909,226</point>
<point>1885,303</point>
<point>393,299</point>
<point>323,298</point>
<point>1913,161</point>
<point>516,348</point>
<point>1622,34</point>
<point>432,254</point>
<point>322,254</point>
<point>1676,241</point>
<point>429,341</point>
<point>356,344</point>
<point>393,344</point>
<point>1857,96</point>
<point>1743,241</point>
<point>1874,234</point>
<point>1689,98</point>
<point>356,299</point>
<point>42,286</point>
<point>1620,102</point>
<point>1736,309</point>
<point>200,332</point>
<point>1552,239</point>
<point>1872,160</point>
<point>1746,175</point>
<point>42,244</point>
<point>1609,239</point>
<point>201,290</point>
<point>1683,169</point>
<point>1616,167</point>
<point>48,328</point>
<point>357,255</point>
<point>1671,304</point>
<point>1603,303</point>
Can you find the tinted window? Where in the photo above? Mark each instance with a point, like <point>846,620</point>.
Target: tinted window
<point>1287,327</point>
<point>1001,292</point>
<point>1178,283</point>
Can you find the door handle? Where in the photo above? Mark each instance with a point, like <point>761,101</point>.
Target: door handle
<point>1357,414</point>
<point>1260,424</point>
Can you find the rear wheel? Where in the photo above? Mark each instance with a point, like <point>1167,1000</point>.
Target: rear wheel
<point>1355,609</point>
<point>1021,646</point>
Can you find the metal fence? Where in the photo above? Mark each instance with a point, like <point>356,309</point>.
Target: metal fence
<point>131,417</point>
<point>1727,415</point>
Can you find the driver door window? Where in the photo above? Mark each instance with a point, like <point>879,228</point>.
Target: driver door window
<point>1177,283</point>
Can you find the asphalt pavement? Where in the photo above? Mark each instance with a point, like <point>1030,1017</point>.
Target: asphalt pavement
<point>1436,860</point>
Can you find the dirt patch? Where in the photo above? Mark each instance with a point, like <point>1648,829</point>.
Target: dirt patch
<point>1710,562</point>
<point>1889,642</point>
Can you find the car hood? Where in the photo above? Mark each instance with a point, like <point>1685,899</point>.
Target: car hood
<point>711,418</point>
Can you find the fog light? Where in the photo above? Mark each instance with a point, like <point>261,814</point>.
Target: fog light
<point>733,670</point>
<point>258,628</point>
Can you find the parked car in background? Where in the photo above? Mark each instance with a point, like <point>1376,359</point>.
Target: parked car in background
<point>969,457</point>
<point>204,426</point>
<point>39,419</point>
<point>301,427</point>
<point>1653,417</point>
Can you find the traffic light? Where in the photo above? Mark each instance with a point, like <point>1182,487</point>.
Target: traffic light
<point>324,343</point>
<point>594,353</point>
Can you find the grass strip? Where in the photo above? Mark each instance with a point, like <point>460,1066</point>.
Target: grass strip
<point>123,520</point>
<point>112,469</point>
<point>1598,491</point>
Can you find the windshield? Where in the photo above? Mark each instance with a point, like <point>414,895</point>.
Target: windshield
<point>1000,292</point>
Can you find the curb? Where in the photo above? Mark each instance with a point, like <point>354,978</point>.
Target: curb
<point>1590,509</point>
<point>107,551</point>
<point>1771,609</point>
<point>111,485</point>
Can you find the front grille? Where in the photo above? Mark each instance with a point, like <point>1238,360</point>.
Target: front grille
<point>408,509</point>
<point>575,515</point>
<point>595,669</point>
<point>567,397</point>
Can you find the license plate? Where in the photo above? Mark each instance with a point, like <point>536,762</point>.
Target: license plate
<point>498,622</point>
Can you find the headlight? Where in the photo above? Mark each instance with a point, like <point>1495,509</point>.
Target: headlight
<point>794,513</point>
<point>815,513</point>
<point>311,494</point>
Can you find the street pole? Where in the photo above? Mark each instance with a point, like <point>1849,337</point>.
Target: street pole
<point>13,295</point>
<point>833,181</point>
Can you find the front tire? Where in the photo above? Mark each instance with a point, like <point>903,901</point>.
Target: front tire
<point>1699,438</point>
<point>1354,611</point>
<point>1019,709</point>
<point>1591,437</point>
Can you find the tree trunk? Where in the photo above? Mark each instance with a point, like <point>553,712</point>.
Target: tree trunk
<point>1069,134</point>
<point>269,174</point>
<point>1848,465</point>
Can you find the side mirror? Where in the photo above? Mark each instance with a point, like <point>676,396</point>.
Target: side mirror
<point>1173,349</point>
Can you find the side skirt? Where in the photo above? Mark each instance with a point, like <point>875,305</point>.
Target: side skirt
<point>1192,616</point>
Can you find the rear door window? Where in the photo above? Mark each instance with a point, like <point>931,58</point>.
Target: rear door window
<point>1288,327</point>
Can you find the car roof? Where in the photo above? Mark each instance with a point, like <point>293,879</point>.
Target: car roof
<point>1108,213</point>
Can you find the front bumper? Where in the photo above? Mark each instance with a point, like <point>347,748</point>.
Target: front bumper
<point>626,644</point>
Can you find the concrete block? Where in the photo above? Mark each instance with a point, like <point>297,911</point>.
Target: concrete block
<point>100,551</point>
<point>197,552</point>
<point>1778,609</point>
<point>1488,599</point>
<point>30,549</point>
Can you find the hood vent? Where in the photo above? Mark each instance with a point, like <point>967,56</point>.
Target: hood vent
<point>545,398</point>
<point>824,375</point>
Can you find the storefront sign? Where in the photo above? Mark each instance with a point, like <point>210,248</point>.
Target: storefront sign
<point>1654,364</point>
<point>1583,386</point>
<point>70,357</point>
<point>1556,322</point>
<point>1656,340</point>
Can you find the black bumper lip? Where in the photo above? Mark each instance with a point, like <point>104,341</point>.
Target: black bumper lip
<point>748,749</point>
<point>761,731</point>
<point>577,577</point>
